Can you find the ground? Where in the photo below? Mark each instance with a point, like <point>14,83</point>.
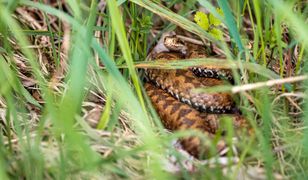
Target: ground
<point>72,102</point>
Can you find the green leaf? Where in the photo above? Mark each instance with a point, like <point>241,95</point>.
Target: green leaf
<point>214,20</point>
<point>202,20</point>
<point>217,33</point>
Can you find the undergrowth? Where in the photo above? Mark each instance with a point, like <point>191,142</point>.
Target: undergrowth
<point>72,102</point>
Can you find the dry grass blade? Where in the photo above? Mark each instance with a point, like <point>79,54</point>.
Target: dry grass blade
<point>269,83</point>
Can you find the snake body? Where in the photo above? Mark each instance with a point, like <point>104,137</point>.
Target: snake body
<point>179,107</point>
<point>181,83</point>
<point>194,51</point>
<point>179,116</point>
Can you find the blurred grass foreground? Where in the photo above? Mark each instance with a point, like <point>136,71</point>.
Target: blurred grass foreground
<point>72,102</point>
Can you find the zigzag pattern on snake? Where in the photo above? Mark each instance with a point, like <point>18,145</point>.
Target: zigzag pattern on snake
<point>179,107</point>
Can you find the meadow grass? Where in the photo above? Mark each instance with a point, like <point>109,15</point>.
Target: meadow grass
<point>51,138</point>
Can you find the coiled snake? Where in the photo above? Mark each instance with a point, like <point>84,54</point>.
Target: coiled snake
<point>179,107</point>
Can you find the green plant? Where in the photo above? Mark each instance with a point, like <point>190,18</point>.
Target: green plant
<point>210,23</point>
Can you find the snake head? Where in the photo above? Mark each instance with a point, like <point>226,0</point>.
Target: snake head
<point>173,43</point>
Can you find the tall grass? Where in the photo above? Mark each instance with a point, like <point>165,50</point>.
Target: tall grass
<point>59,144</point>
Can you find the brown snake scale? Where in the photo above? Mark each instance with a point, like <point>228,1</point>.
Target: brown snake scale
<point>181,83</point>
<point>179,107</point>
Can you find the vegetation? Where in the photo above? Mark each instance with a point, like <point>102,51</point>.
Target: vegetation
<point>72,103</point>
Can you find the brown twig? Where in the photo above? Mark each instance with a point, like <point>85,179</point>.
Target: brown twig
<point>269,83</point>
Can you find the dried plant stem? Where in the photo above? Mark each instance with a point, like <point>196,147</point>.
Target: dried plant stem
<point>269,83</point>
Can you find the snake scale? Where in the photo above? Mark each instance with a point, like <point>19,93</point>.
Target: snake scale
<point>179,107</point>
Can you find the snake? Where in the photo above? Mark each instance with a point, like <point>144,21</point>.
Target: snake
<point>181,84</point>
<point>176,115</point>
<point>179,107</point>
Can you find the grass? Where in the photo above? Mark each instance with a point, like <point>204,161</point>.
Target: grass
<point>53,84</point>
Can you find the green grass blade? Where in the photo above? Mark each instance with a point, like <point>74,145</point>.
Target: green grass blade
<point>143,127</point>
<point>119,29</point>
<point>230,22</point>
<point>175,18</point>
<point>282,8</point>
<point>260,30</point>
